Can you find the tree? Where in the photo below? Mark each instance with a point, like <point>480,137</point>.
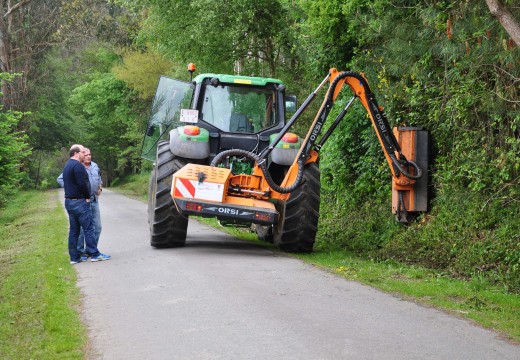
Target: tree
<point>245,36</point>
<point>27,34</point>
<point>110,115</point>
<point>506,18</point>
<point>67,62</point>
<point>51,123</point>
<point>26,30</point>
<point>87,21</point>
<point>13,148</point>
<point>141,70</point>
<point>329,41</point>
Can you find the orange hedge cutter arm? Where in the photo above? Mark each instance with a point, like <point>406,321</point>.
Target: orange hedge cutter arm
<point>399,165</point>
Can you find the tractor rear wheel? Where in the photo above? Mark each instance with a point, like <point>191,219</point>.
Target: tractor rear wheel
<point>298,224</point>
<point>168,227</point>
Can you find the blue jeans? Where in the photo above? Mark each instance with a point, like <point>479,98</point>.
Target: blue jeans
<point>96,221</point>
<point>80,216</point>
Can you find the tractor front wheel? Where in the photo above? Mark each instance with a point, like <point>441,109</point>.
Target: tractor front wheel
<point>264,232</point>
<point>298,223</point>
<point>168,227</point>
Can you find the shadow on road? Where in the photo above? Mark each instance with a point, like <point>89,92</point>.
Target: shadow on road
<point>222,244</point>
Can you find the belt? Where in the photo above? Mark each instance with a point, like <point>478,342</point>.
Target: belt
<point>74,198</point>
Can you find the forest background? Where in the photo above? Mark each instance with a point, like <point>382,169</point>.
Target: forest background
<point>85,71</point>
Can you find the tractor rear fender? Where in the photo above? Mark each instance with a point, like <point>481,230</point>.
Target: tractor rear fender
<point>190,142</point>
<point>285,152</point>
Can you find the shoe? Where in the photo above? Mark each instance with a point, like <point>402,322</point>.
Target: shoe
<point>72,262</point>
<point>84,257</point>
<point>100,257</point>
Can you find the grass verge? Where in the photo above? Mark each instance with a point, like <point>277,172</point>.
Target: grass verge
<point>475,299</point>
<point>38,295</point>
<point>134,186</point>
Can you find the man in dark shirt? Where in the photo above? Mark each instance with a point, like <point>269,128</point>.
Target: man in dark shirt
<point>77,199</point>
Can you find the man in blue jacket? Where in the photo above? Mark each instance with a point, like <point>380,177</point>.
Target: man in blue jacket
<point>77,203</point>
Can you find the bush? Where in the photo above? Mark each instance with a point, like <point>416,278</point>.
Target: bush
<point>13,149</point>
<point>467,235</point>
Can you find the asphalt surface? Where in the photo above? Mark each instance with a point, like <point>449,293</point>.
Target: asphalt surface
<point>222,298</point>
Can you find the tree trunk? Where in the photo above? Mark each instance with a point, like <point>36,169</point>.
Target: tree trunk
<point>37,180</point>
<point>5,59</point>
<point>503,15</point>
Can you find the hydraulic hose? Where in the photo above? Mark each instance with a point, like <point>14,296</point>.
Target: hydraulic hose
<point>262,164</point>
<point>389,143</point>
<point>418,170</point>
<point>343,75</point>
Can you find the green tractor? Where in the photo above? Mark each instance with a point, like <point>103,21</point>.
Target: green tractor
<point>222,148</point>
<point>192,123</point>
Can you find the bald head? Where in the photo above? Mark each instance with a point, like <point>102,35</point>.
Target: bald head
<point>77,152</point>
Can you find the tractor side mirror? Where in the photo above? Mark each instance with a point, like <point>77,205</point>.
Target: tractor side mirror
<point>291,104</point>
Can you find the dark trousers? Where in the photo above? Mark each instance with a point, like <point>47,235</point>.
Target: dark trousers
<point>96,222</point>
<point>80,216</point>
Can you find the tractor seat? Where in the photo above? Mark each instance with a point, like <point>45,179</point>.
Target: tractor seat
<point>239,123</point>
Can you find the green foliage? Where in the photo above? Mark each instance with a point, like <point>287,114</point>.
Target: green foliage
<point>330,41</point>
<point>85,21</point>
<point>464,90</point>
<point>141,70</point>
<point>352,162</point>
<point>456,238</point>
<point>13,149</point>
<point>250,35</point>
<point>50,124</point>
<point>94,59</point>
<point>112,121</point>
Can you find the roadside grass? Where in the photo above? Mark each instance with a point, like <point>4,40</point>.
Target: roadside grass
<point>134,186</point>
<point>474,299</point>
<point>38,295</point>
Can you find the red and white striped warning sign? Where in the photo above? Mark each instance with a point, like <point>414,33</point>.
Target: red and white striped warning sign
<point>185,188</point>
<point>192,189</point>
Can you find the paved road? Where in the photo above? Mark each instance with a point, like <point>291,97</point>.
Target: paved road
<point>221,298</point>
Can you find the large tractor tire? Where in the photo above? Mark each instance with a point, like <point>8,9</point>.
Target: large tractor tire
<point>298,224</point>
<point>168,227</point>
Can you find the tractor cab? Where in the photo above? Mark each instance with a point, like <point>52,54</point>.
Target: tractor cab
<point>228,111</point>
